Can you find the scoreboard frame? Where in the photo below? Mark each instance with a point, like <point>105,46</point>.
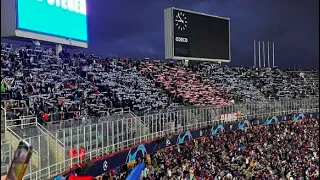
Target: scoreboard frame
<point>169,35</point>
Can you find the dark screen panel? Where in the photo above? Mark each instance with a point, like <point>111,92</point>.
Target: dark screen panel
<point>207,37</point>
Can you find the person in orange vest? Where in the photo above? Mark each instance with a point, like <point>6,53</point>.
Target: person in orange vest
<point>82,153</point>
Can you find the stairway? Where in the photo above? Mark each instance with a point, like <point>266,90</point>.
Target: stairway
<point>47,149</point>
<point>55,147</point>
<point>12,139</point>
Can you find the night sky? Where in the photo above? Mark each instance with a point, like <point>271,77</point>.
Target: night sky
<point>135,28</point>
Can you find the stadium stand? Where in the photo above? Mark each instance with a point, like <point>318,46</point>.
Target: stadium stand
<point>278,151</point>
<point>99,85</point>
<point>253,84</point>
<point>184,85</point>
<point>234,80</point>
<point>82,101</point>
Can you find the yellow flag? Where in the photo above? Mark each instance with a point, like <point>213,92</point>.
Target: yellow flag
<point>148,159</point>
<point>131,164</point>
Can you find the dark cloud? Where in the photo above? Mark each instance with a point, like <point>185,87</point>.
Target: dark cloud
<point>135,28</point>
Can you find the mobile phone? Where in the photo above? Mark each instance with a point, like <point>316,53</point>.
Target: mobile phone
<point>20,161</point>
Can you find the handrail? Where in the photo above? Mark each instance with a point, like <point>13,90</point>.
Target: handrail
<point>5,117</point>
<point>117,110</point>
<point>132,113</point>
<point>18,137</point>
<point>28,116</point>
<point>24,122</point>
<point>126,110</point>
<point>50,134</point>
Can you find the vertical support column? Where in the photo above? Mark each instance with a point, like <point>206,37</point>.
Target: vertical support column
<point>71,147</point>
<point>90,140</point>
<point>259,54</point>
<point>168,123</point>
<point>112,135</point>
<point>123,133</point>
<point>204,116</point>
<point>102,138</point>
<point>184,120</point>
<point>97,138</point>
<point>84,138</point>
<point>154,126</point>
<point>272,54</point>
<point>78,142</point>
<point>149,129</point>
<point>58,49</point>
<point>108,143</point>
<point>264,55</point>
<point>57,150</point>
<point>39,154</point>
<point>48,152</point>
<point>66,150</point>
<point>268,55</point>
<point>200,117</point>
<point>254,54</point>
<point>127,134</point>
<point>133,133</point>
<point>5,117</point>
<point>117,133</point>
<point>138,128</point>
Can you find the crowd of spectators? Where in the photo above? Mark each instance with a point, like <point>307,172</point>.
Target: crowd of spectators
<point>247,85</point>
<point>288,150</point>
<point>124,85</point>
<point>233,80</point>
<point>35,82</point>
<point>184,85</point>
<point>78,85</point>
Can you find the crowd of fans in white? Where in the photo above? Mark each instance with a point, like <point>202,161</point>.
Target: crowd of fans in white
<point>71,86</point>
<point>75,85</point>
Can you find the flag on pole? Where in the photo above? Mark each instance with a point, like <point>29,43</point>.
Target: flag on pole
<point>136,172</point>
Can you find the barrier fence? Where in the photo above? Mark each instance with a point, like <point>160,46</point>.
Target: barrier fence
<point>104,135</point>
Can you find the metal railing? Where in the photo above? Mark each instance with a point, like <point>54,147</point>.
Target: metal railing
<point>3,119</point>
<point>65,116</point>
<point>108,134</point>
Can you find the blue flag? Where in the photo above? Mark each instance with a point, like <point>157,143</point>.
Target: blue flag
<point>136,172</point>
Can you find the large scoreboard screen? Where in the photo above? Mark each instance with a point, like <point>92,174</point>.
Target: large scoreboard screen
<point>61,18</point>
<point>196,36</point>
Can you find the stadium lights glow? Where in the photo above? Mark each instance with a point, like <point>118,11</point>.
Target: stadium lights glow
<point>77,6</point>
